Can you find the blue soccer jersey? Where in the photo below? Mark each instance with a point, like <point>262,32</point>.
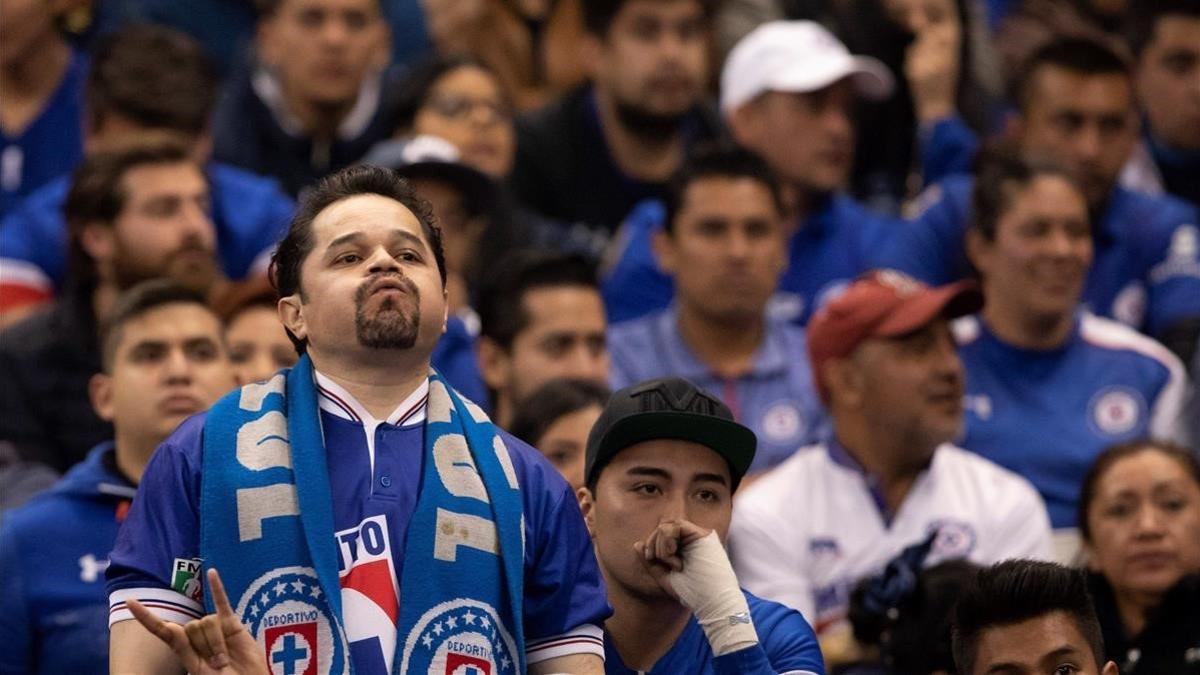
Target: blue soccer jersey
<point>53,551</point>
<point>375,469</point>
<point>1046,415</point>
<point>786,644</point>
<point>1146,269</point>
<point>832,247</point>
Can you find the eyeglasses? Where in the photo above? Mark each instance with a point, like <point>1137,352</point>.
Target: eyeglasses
<point>461,107</point>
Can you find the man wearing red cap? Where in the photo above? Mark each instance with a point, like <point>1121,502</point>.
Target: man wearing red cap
<point>886,369</point>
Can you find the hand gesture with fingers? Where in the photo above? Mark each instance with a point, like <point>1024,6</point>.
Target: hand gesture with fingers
<point>662,551</point>
<point>215,644</point>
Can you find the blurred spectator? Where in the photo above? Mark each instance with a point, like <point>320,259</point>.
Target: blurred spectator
<point>144,80</point>
<point>164,360</point>
<point>40,111</point>
<point>888,478</point>
<point>904,614</point>
<point>318,97</point>
<point>461,100</point>
<point>1049,386</point>
<point>1023,616</point>
<point>725,246</point>
<point>1140,518</point>
<point>533,45</point>
<point>258,344</point>
<point>540,318</point>
<point>787,93</point>
<point>557,418</point>
<point>587,159</point>
<point>1165,37</point>
<point>1033,24</point>
<point>134,215</point>
<point>20,478</point>
<point>1077,107</point>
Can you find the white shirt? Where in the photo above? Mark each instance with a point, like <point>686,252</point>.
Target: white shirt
<point>809,530</point>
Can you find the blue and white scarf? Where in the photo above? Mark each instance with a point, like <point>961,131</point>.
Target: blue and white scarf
<point>266,523</point>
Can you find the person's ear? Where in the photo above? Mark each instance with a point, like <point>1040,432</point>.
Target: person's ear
<point>266,42</point>
<point>978,249</point>
<point>98,241</point>
<point>1110,668</point>
<point>662,243</point>
<point>744,125</point>
<point>495,365</point>
<point>291,314</point>
<point>100,391</point>
<point>843,381</point>
<point>591,50</point>
<point>587,505</point>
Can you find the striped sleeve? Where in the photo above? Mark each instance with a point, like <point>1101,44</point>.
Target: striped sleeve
<point>166,604</point>
<point>586,639</point>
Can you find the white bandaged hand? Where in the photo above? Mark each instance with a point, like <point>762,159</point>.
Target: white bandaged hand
<point>707,586</point>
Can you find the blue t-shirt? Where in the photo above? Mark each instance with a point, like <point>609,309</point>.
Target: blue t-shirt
<point>374,487</point>
<point>1046,415</point>
<point>837,243</point>
<point>53,551</point>
<point>251,215</point>
<point>1145,271</point>
<point>50,146</point>
<point>776,399</point>
<point>786,644</point>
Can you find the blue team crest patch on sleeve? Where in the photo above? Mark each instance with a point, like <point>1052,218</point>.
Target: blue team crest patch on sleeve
<point>295,627</point>
<point>459,637</point>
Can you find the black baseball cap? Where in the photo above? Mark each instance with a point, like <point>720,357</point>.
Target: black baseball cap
<point>669,407</point>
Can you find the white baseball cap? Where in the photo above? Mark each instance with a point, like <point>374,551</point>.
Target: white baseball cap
<point>796,56</point>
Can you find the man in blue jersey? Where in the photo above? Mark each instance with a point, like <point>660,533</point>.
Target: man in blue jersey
<point>361,514</point>
<point>725,245</point>
<point>135,215</point>
<point>42,79</point>
<point>663,462</point>
<point>1050,386</point>
<point>1076,105</point>
<point>164,360</point>
<point>787,94</point>
<point>144,79</point>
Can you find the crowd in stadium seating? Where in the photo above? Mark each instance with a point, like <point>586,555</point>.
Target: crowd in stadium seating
<point>941,257</point>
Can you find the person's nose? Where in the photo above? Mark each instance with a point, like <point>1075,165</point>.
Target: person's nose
<point>177,368</point>
<point>1149,522</point>
<point>382,262</point>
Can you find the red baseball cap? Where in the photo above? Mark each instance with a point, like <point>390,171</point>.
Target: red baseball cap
<point>881,304</point>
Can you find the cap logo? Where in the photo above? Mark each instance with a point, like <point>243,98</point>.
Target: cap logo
<point>900,282</point>
<point>657,397</point>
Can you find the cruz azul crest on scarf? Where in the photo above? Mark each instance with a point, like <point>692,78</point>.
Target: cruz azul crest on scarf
<point>267,526</point>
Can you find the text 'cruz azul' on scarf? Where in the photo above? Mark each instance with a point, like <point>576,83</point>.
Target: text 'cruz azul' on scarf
<point>266,525</point>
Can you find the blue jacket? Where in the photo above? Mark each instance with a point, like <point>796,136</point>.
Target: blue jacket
<point>53,553</point>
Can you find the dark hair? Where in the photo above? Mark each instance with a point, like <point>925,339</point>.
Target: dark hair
<point>1000,171</point>
<point>1019,590</point>
<point>1143,16</point>
<point>268,8</point>
<point>719,160</point>
<point>154,76</point>
<point>414,88</point>
<point>98,193</point>
<point>243,295</point>
<point>1079,55</point>
<point>1114,454</point>
<point>138,301</point>
<point>553,400</point>
<point>502,312</point>
<point>349,182</point>
<point>598,15</point>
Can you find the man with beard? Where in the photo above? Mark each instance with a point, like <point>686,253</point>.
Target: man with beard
<point>361,514</point>
<point>587,159</point>
<point>133,215</point>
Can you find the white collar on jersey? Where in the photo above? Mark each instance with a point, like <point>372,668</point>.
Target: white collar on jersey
<point>334,399</point>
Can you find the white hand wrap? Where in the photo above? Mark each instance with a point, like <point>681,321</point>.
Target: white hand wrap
<point>708,587</point>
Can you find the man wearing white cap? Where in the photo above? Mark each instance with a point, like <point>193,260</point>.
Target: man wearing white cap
<point>787,92</point>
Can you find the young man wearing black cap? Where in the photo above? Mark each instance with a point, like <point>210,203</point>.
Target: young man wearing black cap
<point>835,512</point>
<point>662,464</point>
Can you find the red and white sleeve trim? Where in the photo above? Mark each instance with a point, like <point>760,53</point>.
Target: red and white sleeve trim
<point>586,639</point>
<point>166,604</point>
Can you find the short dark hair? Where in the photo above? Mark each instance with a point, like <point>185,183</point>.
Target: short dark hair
<point>720,160</point>
<point>136,302</point>
<point>413,90</point>
<point>553,400</point>
<point>598,15</point>
<point>999,172</point>
<point>1019,590</point>
<point>1114,454</point>
<point>98,192</point>
<point>155,76</point>
<point>349,182</point>
<point>1143,16</point>
<point>267,8</point>
<point>1083,56</point>
<point>502,313</point>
